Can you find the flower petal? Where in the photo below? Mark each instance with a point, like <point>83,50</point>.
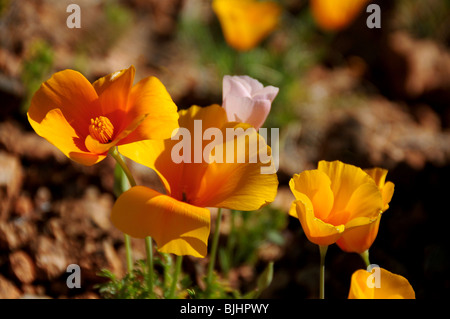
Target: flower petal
<point>246,100</point>
<point>386,193</point>
<point>389,285</point>
<point>71,93</point>
<point>55,129</point>
<point>378,175</point>
<point>239,109</point>
<point>387,188</point>
<point>150,98</point>
<point>345,179</point>
<point>96,147</point>
<point>245,110</point>
<point>316,230</point>
<point>177,227</point>
<point>245,23</point>
<point>394,287</point>
<point>315,185</point>
<point>267,93</point>
<point>241,180</point>
<point>359,238</point>
<point>113,91</point>
<point>156,155</point>
<point>359,288</point>
<point>366,201</point>
<point>181,179</point>
<point>213,116</point>
<point>238,86</point>
<point>335,15</point>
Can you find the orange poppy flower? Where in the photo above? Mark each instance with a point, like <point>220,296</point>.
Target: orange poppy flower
<point>364,285</point>
<point>179,220</point>
<point>360,239</point>
<point>85,120</point>
<point>333,199</point>
<point>335,15</point>
<point>245,23</point>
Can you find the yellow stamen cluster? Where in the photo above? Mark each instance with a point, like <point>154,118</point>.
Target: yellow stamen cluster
<point>101,129</point>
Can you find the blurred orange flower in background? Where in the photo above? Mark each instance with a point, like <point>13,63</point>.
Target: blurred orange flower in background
<point>245,23</point>
<point>86,120</point>
<point>360,239</point>
<point>334,199</point>
<point>179,220</point>
<point>335,15</point>
<point>364,285</point>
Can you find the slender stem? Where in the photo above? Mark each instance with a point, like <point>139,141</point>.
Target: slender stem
<point>149,252</point>
<point>167,266</point>
<point>214,249</point>
<point>173,286</point>
<point>129,256</point>
<point>116,155</point>
<point>323,252</point>
<point>127,240</point>
<point>365,256</point>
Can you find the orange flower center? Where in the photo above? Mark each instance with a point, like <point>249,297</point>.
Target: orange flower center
<point>101,129</point>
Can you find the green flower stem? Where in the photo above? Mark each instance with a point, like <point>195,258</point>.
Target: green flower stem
<point>365,256</point>
<point>173,286</point>
<point>116,155</point>
<point>128,253</point>
<point>148,240</point>
<point>167,262</point>
<point>323,252</point>
<point>149,252</point>
<point>214,250</point>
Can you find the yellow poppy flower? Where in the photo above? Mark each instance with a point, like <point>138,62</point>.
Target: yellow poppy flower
<point>85,120</point>
<point>379,284</point>
<point>179,220</point>
<point>360,239</point>
<point>335,15</point>
<point>245,23</point>
<point>333,199</point>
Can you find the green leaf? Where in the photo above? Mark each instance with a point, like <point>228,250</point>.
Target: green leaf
<point>264,280</point>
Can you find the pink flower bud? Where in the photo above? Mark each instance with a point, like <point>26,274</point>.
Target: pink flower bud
<point>247,100</point>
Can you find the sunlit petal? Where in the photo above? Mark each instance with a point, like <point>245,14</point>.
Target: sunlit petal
<point>360,234</point>
<point>386,188</point>
<point>316,230</point>
<point>58,132</point>
<point>245,182</point>
<point>177,227</point>
<point>316,186</point>
<point>150,98</point>
<point>113,91</point>
<point>345,179</point>
<point>71,93</point>
<point>379,284</point>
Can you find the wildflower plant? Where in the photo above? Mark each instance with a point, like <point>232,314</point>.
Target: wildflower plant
<point>111,116</point>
